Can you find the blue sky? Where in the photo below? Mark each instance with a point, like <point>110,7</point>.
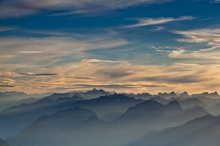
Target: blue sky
<point>127,46</point>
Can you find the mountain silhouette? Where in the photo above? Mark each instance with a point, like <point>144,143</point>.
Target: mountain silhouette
<point>25,114</point>
<point>151,115</point>
<point>191,102</point>
<point>202,131</point>
<point>3,143</point>
<point>76,126</point>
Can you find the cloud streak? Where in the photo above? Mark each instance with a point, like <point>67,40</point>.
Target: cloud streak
<point>209,36</point>
<point>159,21</point>
<point>3,29</point>
<point>38,74</point>
<point>103,61</point>
<point>17,8</point>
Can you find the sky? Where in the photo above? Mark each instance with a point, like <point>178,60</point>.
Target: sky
<point>125,45</point>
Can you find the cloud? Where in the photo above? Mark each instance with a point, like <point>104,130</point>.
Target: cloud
<point>178,54</point>
<point>205,37</point>
<point>119,86</point>
<point>159,21</point>
<point>17,8</point>
<point>209,36</point>
<point>30,52</point>
<point>3,29</point>
<point>116,73</point>
<point>39,74</point>
<point>210,55</point>
<point>112,86</point>
<point>216,1</point>
<point>82,78</point>
<point>103,61</point>
<point>6,86</point>
<point>49,51</point>
<point>176,79</point>
<point>119,77</point>
<point>158,28</point>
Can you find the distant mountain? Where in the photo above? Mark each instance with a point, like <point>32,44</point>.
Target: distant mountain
<point>162,100</point>
<point>215,110</point>
<point>116,103</point>
<point>151,115</point>
<point>183,96</point>
<point>3,143</point>
<point>167,95</point>
<point>111,117</point>
<point>184,102</point>
<point>210,102</point>
<point>56,96</point>
<point>65,127</point>
<point>25,114</point>
<point>202,131</point>
<point>143,96</point>
<point>74,126</point>
<point>191,102</point>
<point>27,100</point>
<point>8,99</point>
<point>94,93</point>
<point>151,111</point>
<point>8,94</point>
<point>213,95</point>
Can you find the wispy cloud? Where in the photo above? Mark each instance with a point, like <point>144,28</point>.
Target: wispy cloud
<point>30,52</point>
<point>111,86</point>
<point>103,61</point>
<point>82,78</point>
<point>38,74</point>
<point>205,56</point>
<point>159,21</point>
<point>209,36</point>
<point>51,50</point>
<point>216,1</point>
<point>3,29</point>
<point>17,8</point>
<point>194,78</point>
<point>6,86</point>
<point>121,77</point>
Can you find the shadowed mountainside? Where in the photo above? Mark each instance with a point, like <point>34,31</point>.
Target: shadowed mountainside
<point>202,131</point>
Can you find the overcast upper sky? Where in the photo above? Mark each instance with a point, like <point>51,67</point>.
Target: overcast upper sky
<point>124,45</point>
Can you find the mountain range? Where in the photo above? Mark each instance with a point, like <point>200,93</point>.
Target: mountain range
<point>201,131</point>
<point>97,117</point>
<point>65,126</point>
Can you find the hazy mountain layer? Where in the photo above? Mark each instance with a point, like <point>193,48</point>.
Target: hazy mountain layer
<point>202,131</point>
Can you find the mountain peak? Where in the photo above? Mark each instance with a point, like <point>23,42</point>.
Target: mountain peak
<point>172,93</point>
<point>214,93</point>
<point>174,104</point>
<point>184,94</point>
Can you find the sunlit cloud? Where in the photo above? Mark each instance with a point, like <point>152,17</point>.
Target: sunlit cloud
<point>17,8</point>
<point>30,52</point>
<point>38,74</point>
<point>159,21</point>
<point>103,61</point>
<point>119,77</point>
<point>209,55</point>
<point>209,36</point>
<point>50,50</point>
